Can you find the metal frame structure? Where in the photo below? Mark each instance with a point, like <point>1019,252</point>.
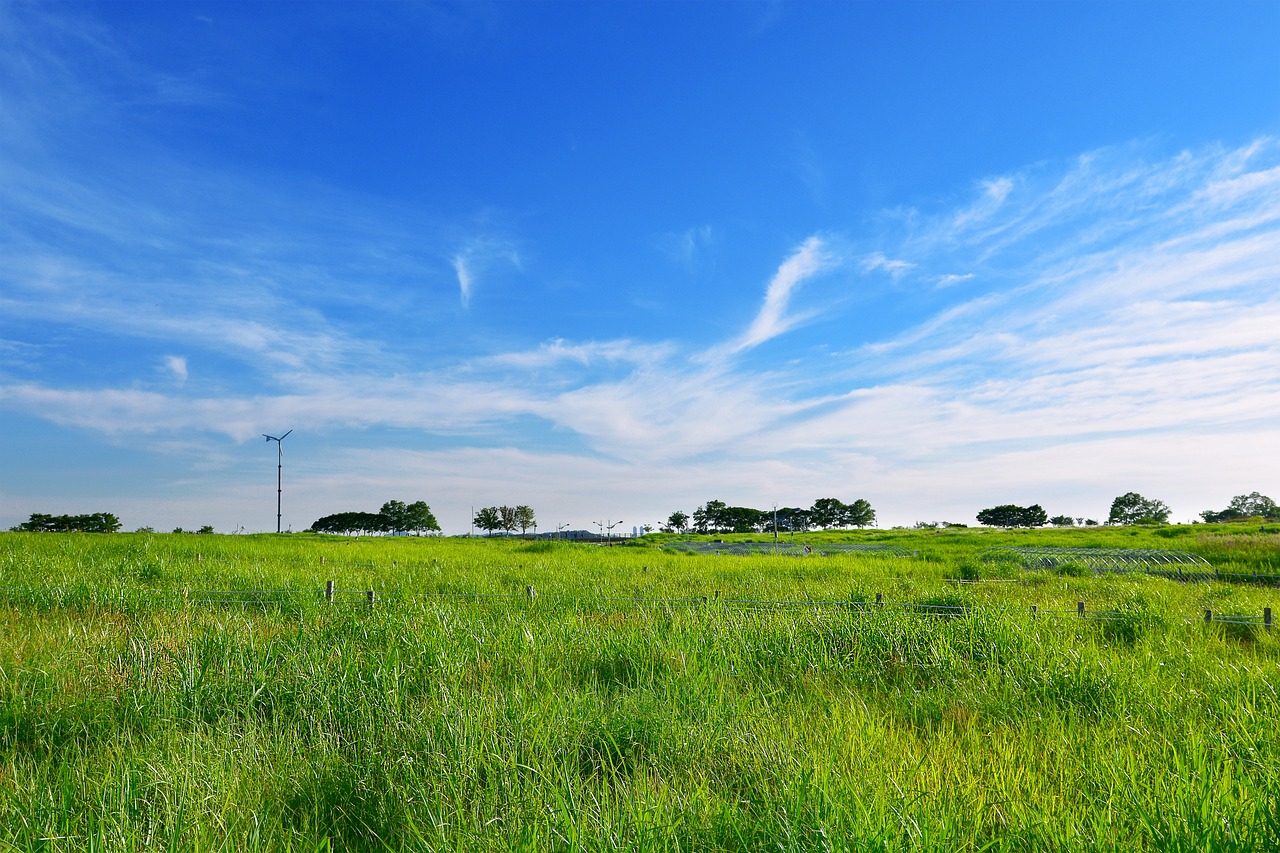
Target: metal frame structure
<point>787,549</point>
<point>1098,559</point>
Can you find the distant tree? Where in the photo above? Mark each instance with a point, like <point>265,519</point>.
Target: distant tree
<point>419,519</point>
<point>1005,515</point>
<point>678,522</point>
<point>826,513</point>
<point>145,530</point>
<point>205,529</point>
<point>1062,521</point>
<point>1252,505</point>
<point>507,517</point>
<point>95,522</point>
<point>489,519</point>
<point>1133,508</point>
<point>393,517</point>
<point>710,517</point>
<point>1034,516</point>
<point>1012,515</point>
<point>859,514</point>
<point>524,518</point>
<point>350,523</point>
<point>793,519</point>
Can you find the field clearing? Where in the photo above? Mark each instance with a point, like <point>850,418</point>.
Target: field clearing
<point>619,709</point>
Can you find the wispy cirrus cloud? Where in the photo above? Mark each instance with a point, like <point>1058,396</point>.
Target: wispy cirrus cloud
<point>1118,309</point>
<point>878,261</point>
<point>812,257</point>
<point>481,255</point>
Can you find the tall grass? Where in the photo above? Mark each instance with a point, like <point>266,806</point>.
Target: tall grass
<point>617,709</point>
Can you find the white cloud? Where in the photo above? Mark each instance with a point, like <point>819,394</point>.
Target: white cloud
<point>480,255</point>
<point>878,261</point>
<point>811,258</point>
<point>463,270</point>
<point>1134,353</point>
<point>177,365</point>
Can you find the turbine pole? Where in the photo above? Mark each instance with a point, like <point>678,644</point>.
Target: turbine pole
<point>279,471</point>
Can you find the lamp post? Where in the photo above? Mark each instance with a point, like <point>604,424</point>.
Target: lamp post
<point>279,470</point>
<point>610,528</point>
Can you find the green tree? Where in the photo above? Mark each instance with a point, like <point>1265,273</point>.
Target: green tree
<point>1012,515</point>
<point>710,517</point>
<point>394,517</point>
<point>1252,505</point>
<point>489,519</point>
<point>826,513</point>
<point>95,522</point>
<point>419,518</point>
<point>1062,521</point>
<point>349,523</point>
<point>1133,508</point>
<point>525,518</point>
<point>859,514</point>
<point>793,519</point>
<point>678,522</point>
<point>507,518</point>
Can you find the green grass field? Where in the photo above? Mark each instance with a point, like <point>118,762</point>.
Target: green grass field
<point>637,702</point>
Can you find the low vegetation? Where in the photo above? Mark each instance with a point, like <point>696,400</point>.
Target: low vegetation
<point>504,694</point>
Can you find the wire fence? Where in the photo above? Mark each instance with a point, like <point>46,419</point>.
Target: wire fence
<point>1173,565</point>
<point>284,598</point>
<point>267,599</point>
<point>786,549</point>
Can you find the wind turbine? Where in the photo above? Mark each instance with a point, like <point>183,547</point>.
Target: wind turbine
<point>279,470</point>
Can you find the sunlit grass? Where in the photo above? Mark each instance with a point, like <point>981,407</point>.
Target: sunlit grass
<point>617,708</point>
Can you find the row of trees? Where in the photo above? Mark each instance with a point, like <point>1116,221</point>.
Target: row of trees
<point>1252,505</point>
<point>394,517</point>
<point>1129,508</point>
<point>506,518</point>
<point>94,522</point>
<point>718,517</point>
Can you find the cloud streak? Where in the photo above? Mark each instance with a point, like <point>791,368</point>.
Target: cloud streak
<point>1120,309</point>
<point>810,259</point>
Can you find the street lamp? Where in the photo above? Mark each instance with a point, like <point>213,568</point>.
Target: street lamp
<point>610,528</point>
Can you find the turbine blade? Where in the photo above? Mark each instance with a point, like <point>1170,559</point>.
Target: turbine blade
<point>286,435</point>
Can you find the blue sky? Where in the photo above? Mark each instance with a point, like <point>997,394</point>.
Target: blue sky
<point>615,260</point>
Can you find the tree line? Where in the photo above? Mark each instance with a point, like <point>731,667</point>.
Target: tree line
<point>394,517</point>
<point>1129,508</point>
<point>94,522</point>
<point>826,514</point>
<point>506,518</point>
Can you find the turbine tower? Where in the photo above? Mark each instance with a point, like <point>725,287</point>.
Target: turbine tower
<point>279,470</point>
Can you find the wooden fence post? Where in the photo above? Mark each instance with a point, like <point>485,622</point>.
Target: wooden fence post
<point>530,592</point>
<point>1033,611</point>
<point>328,591</point>
<point>880,599</point>
<point>1266,618</point>
<point>1208,616</point>
<point>373,596</point>
<point>322,561</point>
<point>1080,608</point>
